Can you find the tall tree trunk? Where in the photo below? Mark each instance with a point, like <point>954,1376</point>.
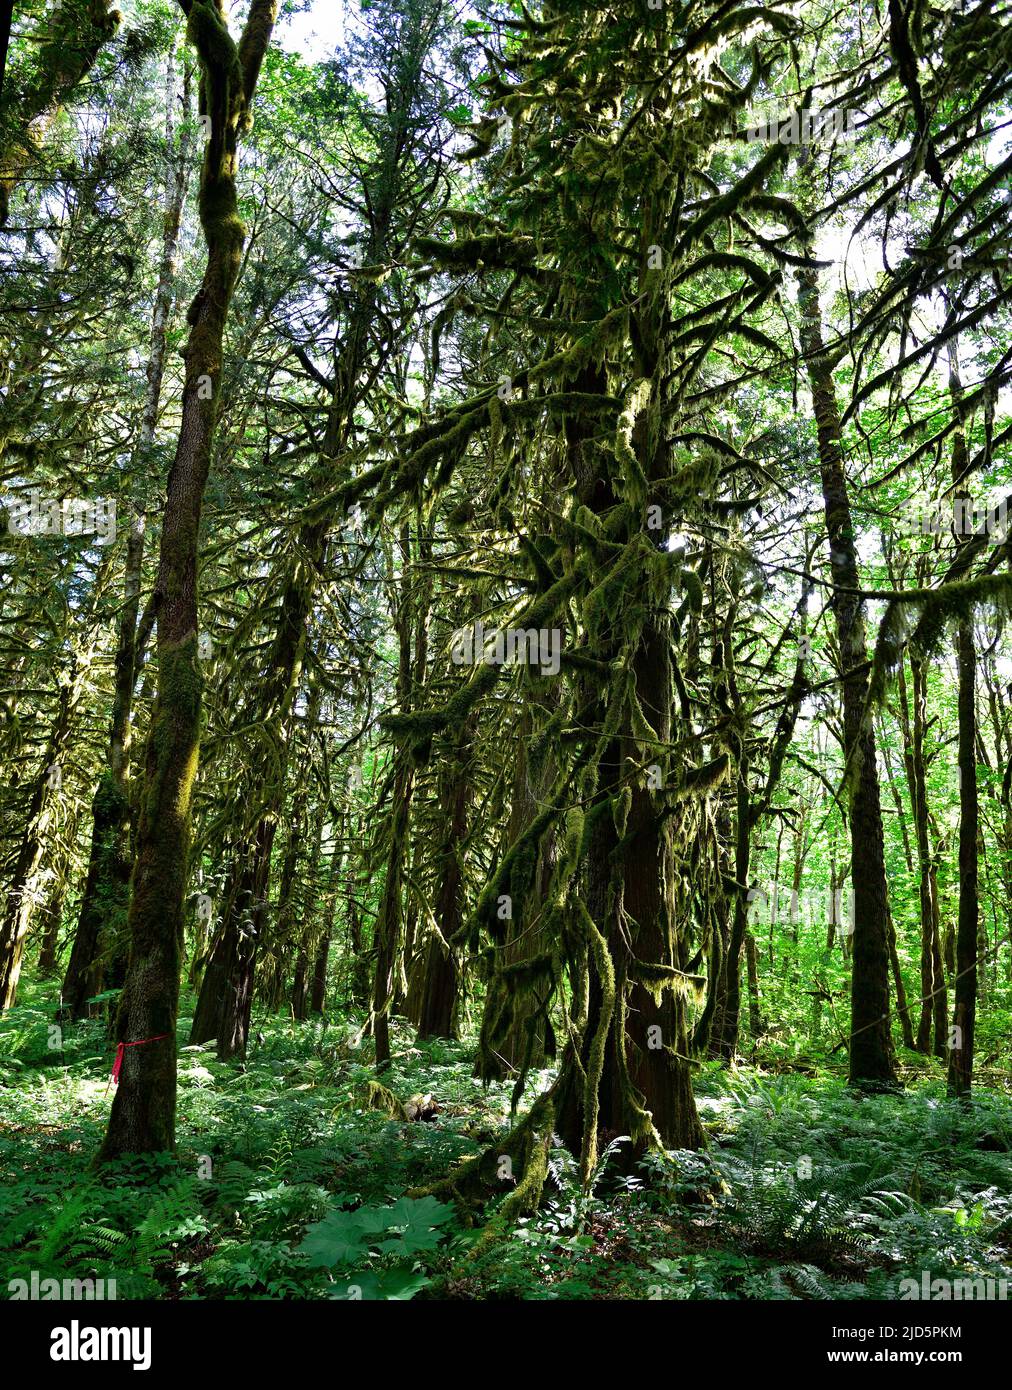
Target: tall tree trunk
<point>388,925</point>
<point>871,1052</point>
<point>964,1009</point>
<point>515,1029</point>
<point>634,906</point>
<point>387,931</point>
<point>23,894</point>
<point>755,1025</point>
<point>318,993</point>
<point>23,890</point>
<point>725,1040</point>
<point>300,986</point>
<point>248,925</point>
<point>410,606</point>
<point>438,979</point>
<point>794,914</point>
<point>775,897</point>
<point>914,727</point>
<point>360,981</point>
<point>305,906</point>
<point>144,1109</point>
<point>318,989</point>
<point>52,913</point>
<point>901,993</point>
<point>650,898</point>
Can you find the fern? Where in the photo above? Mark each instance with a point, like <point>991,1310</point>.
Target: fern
<point>173,1217</point>
<point>64,1234</point>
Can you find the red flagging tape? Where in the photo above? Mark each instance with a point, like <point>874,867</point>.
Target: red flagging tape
<point>120,1049</point>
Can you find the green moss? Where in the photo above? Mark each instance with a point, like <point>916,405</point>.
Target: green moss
<point>595,1057</point>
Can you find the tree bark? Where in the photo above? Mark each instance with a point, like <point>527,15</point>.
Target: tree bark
<point>633,904</point>
<point>964,1010</point>
<point>23,894</point>
<point>871,1053</point>
<point>914,726</point>
<point>144,1108</point>
<point>410,605</point>
<point>438,977</point>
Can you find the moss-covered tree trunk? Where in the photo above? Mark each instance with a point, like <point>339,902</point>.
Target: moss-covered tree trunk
<point>360,971</point>
<point>656,1038</point>
<point>631,1073</point>
<point>305,909</point>
<point>242,948</point>
<point>755,1023</point>
<point>318,986</point>
<point>21,896</point>
<point>144,1107</point>
<point>724,1041</point>
<point>438,977</point>
<point>102,918</point>
<point>901,991</point>
<point>516,1029</point>
<point>964,1009</point>
<point>51,916</point>
<point>913,724</point>
<point>961,1035</point>
<point>871,1053</point>
<point>318,991</point>
<point>300,986</point>
<point>410,599</point>
<point>387,929</point>
<point>24,886</point>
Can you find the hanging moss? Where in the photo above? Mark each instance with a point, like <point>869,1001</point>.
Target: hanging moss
<point>380,1097</point>
<point>620,808</point>
<point>595,1057</point>
<point>658,978</point>
<point>934,610</point>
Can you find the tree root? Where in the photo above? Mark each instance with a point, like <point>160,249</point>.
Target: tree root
<point>475,1181</point>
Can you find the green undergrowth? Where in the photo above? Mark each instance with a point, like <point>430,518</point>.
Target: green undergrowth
<point>286,1184</point>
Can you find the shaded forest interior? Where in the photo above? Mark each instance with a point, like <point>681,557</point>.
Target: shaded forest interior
<point>506,691</point>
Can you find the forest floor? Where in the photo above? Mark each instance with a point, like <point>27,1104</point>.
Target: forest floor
<point>286,1185</point>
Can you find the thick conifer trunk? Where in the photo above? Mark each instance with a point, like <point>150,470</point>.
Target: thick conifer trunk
<point>631,903</point>
<point>438,974</point>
